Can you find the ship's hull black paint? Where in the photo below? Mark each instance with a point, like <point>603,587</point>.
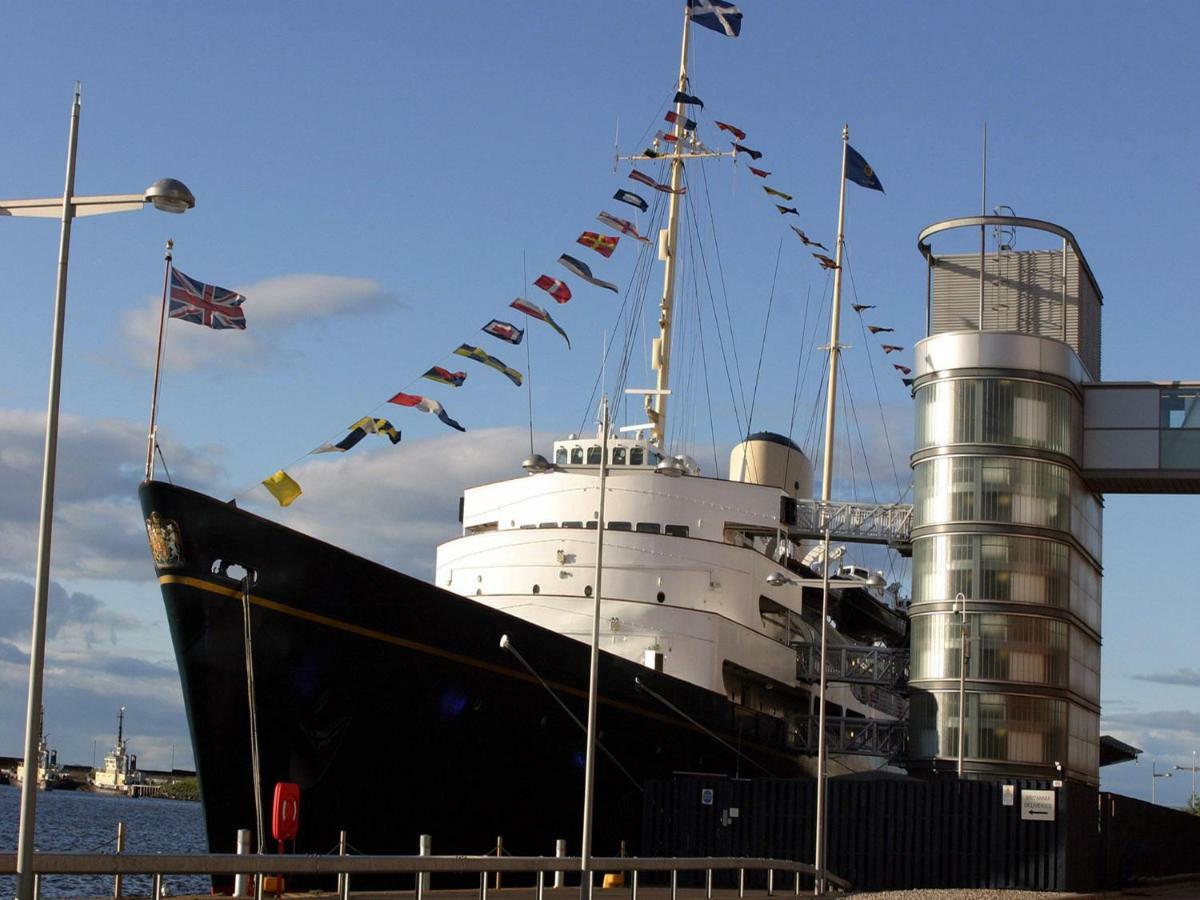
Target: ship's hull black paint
<point>392,705</point>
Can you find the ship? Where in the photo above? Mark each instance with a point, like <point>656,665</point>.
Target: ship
<point>456,707</point>
<point>50,775</point>
<point>120,773</point>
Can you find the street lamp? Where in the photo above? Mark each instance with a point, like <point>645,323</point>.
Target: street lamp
<point>960,608</point>
<point>1192,769</point>
<point>1154,783</point>
<point>168,195</point>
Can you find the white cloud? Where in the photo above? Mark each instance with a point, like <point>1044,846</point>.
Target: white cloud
<point>273,307</point>
<point>395,504</point>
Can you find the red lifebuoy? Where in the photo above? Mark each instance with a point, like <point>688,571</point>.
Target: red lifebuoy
<point>285,812</point>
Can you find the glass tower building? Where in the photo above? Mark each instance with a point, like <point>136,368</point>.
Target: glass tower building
<point>1005,531</point>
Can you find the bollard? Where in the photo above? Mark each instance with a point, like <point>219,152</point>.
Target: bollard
<point>120,849</point>
<point>708,884</point>
<point>341,852</point>
<point>499,853</point>
<point>424,848</point>
<point>241,883</point>
<point>560,849</point>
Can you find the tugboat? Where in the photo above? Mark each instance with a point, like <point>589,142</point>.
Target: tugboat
<point>120,772</point>
<point>50,776</point>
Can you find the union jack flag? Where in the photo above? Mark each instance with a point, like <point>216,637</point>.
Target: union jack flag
<point>205,304</point>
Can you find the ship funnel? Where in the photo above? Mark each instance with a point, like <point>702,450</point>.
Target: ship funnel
<point>772,459</point>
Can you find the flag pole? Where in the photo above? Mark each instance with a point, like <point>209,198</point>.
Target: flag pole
<point>826,493</point>
<point>152,436</point>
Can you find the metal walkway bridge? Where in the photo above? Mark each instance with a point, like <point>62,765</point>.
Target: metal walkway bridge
<point>864,523</point>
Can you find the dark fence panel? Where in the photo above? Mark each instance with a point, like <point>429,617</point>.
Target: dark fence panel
<point>885,833</point>
<point>1141,840</point>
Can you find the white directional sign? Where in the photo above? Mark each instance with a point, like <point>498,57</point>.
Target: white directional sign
<point>1037,805</point>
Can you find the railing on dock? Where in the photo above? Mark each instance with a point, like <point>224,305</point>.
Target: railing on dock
<point>158,865</point>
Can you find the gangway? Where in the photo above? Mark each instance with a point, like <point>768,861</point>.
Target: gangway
<point>885,666</point>
<point>856,522</point>
<point>849,736</point>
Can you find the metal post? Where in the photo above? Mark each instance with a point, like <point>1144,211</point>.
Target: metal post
<point>258,885</point>
<point>633,889</point>
<point>424,848</point>
<point>41,588</point>
<point>708,884</point>
<point>156,888</point>
<point>341,852</point>
<point>241,883</point>
<point>560,850</point>
<point>483,886</point>
<point>1064,289</point>
<point>152,435</point>
<point>260,837</point>
<point>961,598</point>
<point>540,892</point>
<point>674,885</point>
<point>819,849</point>
<point>741,882</point>
<point>120,849</point>
<point>982,227</point>
<point>834,322</point>
<point>770,882</point>
<point>796,883</point>
<point>499,853</point>
<point>589,777</point>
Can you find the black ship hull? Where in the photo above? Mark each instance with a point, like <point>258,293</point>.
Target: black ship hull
<point>393,706</point>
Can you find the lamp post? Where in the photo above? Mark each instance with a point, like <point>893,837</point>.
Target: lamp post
<point>168,195</point>
<point>1192,769</point>
<point>960,607</point>
<point>1153,781</point>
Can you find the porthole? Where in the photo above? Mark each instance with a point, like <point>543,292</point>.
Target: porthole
<point>537,589</point>
<point>587,591</point>
<point>661,597</point>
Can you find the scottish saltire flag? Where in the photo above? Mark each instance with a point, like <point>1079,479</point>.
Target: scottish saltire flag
<point>860,172</point>
<point>602,243</point>
<point>358,431</point>
<point>774,193</point>
<point>732,129</point>
<point>282,487</point>
<point>673,117</point>
<point>681,97</point>
<point>555,288</point>
<point>622,225</point>
<point>205,304</point>
<point>632,199</point>
<point>480,355</point>
<point>445,376</point>
<point>536,312</point>
<point>581,269</point>
<point>426,404</point>
<point>717,15</point>
<point>506,331</point>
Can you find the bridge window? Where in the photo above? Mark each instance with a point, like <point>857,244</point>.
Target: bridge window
<point>560,456</point>
<point>572,524</point>
<point>593,456</point>
<point>636,456</point>
<point>618,456</point>
<point>547,525</point>
<point>577,456</point>
<point>676,530</point>
<point>649,527</point>
<point>620,526</point>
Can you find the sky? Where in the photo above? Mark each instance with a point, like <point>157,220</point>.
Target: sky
<point>380,180</point>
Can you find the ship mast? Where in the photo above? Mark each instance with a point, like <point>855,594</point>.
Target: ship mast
<point>668,241</point>
<point>682,148</point>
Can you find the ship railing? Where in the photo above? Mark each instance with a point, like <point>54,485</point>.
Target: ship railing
<point>159,864</point>
<point>849,736</point>
<point>887,666</point>
<point>854,521</point>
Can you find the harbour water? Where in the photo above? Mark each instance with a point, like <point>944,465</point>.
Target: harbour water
<point>87,822</point>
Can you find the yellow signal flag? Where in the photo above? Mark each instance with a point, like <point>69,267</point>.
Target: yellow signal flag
<point>282,487</point>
